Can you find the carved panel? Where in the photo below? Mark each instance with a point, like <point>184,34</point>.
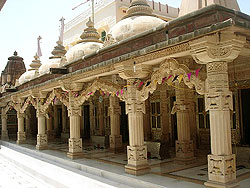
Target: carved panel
<point>221,168</point>
<point>75,145</point>
<point>137,153</point>
<point>219,101</point>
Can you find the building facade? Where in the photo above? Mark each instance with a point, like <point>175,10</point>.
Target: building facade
<point>151,86</point>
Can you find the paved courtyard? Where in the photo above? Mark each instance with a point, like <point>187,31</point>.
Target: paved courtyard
<point>13,177</point>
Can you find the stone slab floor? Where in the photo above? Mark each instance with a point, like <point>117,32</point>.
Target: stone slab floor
<point>12,176</point>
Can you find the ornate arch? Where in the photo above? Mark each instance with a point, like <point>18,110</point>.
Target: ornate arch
<point>171,67</point>
<point>98,84</point>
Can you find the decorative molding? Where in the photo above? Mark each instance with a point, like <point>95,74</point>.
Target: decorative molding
<point>218,47</point>
<point>171,67</point>
<point>219,101</point>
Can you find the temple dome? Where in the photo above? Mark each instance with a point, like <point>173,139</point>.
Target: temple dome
<point>139,18</point>
<point>88,44</point>
<point>32,72</point>
<point>56,61</point>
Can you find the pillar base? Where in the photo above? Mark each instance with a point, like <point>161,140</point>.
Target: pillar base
<point>21,138</point>
<point>115,142</point>
<point>75,145</point>
<point>42,142</point>
<point>221,169</point>
<point>137,160</point>
<point>75,155</point>
<point>5,135</point>
<point>184,151</point>
<point>222,185</point>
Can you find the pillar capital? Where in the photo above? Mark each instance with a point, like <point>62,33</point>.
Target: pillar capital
<point>69,85</point>
<point>222,47</point>
<point>20,115</point>
<point>130,70</point>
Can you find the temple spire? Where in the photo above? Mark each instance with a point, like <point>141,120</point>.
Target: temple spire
<point>188,6</point>
<point>36,63</point>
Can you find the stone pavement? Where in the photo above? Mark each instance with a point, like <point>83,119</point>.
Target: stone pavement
<point>13,177</point>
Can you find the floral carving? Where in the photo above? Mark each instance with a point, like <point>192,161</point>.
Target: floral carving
<point>137,153</point>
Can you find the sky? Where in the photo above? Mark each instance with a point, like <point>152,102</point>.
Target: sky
<point>22,21</point>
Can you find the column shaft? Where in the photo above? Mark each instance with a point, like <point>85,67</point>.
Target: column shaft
<point>114,113</point>
<point>21,137</point>
<point>136,151</point>
<point>42,139</point>
<point>4,134</point>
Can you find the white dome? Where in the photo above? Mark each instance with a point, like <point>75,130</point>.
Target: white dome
<point>82,49</point>
<point>51,63</point>
<point>27,76</point>
<point>134,25</point>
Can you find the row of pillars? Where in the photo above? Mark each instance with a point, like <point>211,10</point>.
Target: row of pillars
<point>221,156</point>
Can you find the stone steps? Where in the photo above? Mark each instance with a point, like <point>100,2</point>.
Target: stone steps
<point>62,172</point>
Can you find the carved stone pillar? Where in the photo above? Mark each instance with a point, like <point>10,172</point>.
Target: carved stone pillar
<point>21,137</point>
<point>65,132</point>
<point>27,123</point>
<point>114,113</point>
<point>164,116</point>
<point>75,142</point>
<point>4,134</point>
<point>42,139</point>
<point>101,118</point>
<point>91,114</point>
<point>49,122</point>
<point>136,151</point>
<point>183,108</point>
<point>216,51</point>
<point>146,121</point>
<point>55,111</point>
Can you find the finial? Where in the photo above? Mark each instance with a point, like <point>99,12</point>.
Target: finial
<point>36,63</point>
<point>39,52</point>
<point>90,34</point>
<point>15,53</point>
<point>139,8</point>
<point>59,50</point>
<point>61,29</point>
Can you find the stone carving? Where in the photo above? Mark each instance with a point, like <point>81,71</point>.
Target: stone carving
<point>171,67</point>
<point>221,168</point>
<point>182,107</point>
<point>42,139</point>
<point>75,145</point>
<point>137,153</point>
<point>115,141</point>
<point>109,40</point>
<point>208,49</point>
<point>219,101</point>
<point>184,149</point>
<point>217,67</point>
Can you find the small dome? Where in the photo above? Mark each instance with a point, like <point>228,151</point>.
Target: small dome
<point>27,76</point>
<point>56,61</point>
<point>51,63</point>
<point>88,44</point>
<point>80,50</point>
<point>138,20</point>
<point>134,25</point>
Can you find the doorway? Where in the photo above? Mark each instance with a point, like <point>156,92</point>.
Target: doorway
<point>86,116</point>
<point>245,107</point>
<point>124,123</point>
